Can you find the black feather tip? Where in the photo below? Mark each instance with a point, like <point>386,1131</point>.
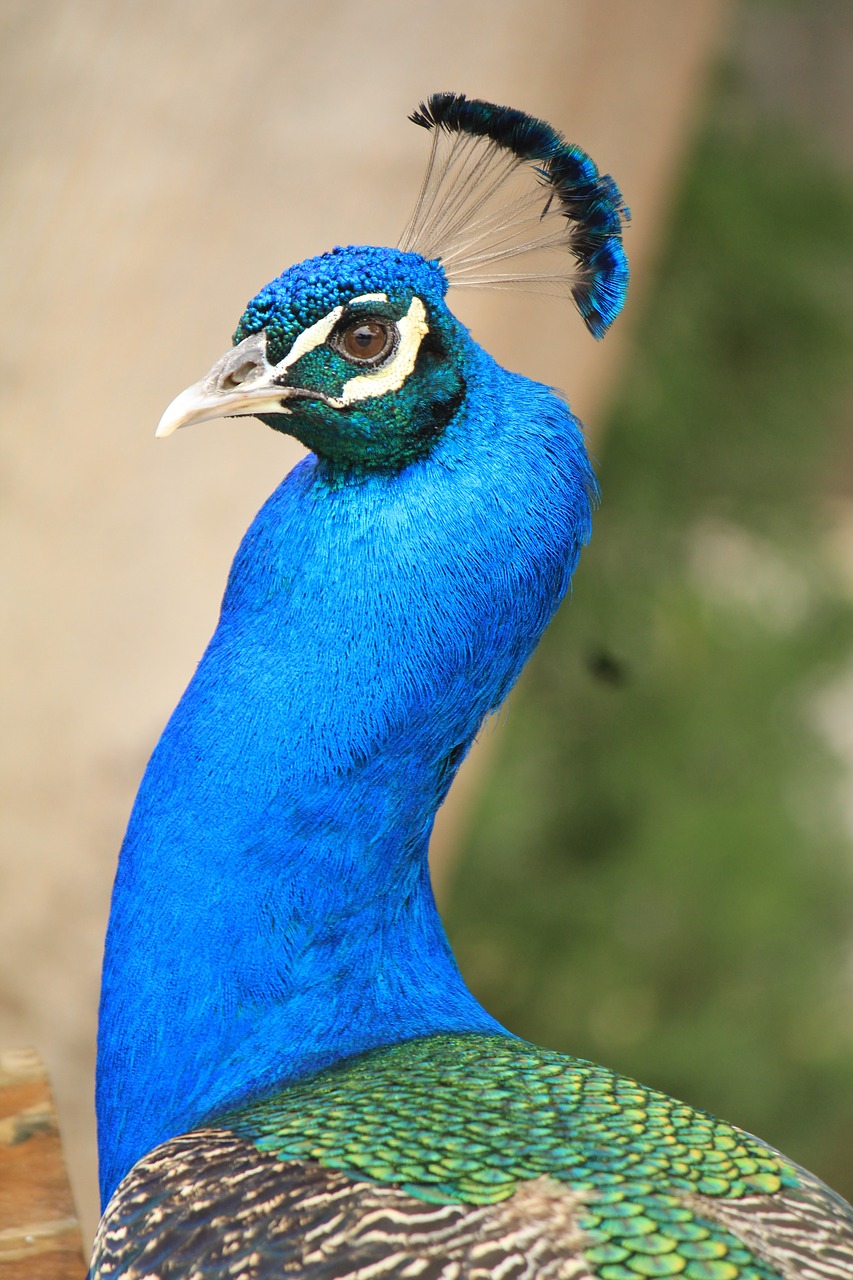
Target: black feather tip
<point>591,201</point>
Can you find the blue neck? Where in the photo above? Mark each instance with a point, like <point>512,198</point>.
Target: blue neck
<point>272,911</point>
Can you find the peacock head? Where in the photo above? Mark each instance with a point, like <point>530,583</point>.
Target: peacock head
<point>356,353</point>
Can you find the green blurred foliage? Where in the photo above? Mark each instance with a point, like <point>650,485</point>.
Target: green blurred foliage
<point>658,876</point>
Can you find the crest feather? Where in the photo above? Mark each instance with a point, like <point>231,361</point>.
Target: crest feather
<point>501,184</point>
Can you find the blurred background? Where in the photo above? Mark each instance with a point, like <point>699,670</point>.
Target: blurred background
<point>648,859</point>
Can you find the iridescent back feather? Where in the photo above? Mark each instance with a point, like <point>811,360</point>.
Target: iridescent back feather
<point>472,1156</point>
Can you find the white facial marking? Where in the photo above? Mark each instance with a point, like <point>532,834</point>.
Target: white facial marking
<point>314,336</point>
<point>390,377</point>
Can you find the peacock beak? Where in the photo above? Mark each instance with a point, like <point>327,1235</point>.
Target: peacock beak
<point>242,382</point>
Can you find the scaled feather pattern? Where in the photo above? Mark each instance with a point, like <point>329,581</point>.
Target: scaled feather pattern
<point>293,1078</point>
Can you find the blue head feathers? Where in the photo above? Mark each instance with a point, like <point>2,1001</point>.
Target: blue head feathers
<point>365,336</point>
<point>272,911</point>
<point>500,185</point>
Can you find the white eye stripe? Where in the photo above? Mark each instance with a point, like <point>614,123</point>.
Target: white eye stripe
<point>391,376</point>
<point>316,334</point>
<point>375,382</point>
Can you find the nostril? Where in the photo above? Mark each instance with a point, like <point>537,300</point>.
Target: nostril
<point>235,377</point>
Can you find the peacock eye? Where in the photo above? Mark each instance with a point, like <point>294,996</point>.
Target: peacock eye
<point>367,341</point>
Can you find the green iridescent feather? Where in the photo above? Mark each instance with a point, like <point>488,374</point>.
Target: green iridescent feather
<point>467,1118</point>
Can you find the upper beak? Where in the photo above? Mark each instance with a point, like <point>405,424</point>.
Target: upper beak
<point>243,381</point>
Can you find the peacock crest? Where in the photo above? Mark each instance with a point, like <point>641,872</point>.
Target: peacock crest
<point>500,186</point>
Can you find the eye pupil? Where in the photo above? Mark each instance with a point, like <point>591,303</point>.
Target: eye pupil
<point>367,340</point>
<point>366,336</point>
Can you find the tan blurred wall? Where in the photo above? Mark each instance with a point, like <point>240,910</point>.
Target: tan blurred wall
<point>160,162</point>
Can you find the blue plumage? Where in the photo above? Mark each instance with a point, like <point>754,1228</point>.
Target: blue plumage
<point>272,909</point>
<point>280,1007</point>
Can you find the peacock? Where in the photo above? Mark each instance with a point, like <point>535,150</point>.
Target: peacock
<point>293,1078</point>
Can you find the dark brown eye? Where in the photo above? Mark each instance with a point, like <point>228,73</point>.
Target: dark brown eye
<point>367,341</point>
